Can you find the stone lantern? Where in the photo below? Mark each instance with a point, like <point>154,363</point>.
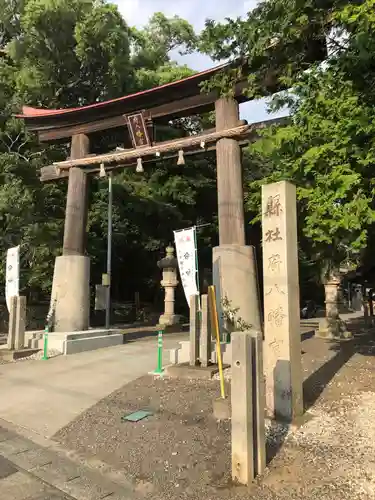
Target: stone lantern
<point>169,265</point>
<point>332,325</point>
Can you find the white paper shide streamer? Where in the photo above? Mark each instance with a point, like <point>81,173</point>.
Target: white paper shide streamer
<point>185,241</point>
<point>12,275</point>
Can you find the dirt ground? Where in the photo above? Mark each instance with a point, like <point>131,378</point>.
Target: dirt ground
<point>182,452</point>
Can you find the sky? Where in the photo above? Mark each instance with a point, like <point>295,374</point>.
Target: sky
<point>137,13</point>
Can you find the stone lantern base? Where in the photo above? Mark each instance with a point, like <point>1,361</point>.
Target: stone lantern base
<point>333,328</point>
<point>169,320</point>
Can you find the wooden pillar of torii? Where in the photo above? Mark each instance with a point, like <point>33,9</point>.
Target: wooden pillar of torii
<point>76,206</point>
<point>234,266</point>
<point>71,281</point>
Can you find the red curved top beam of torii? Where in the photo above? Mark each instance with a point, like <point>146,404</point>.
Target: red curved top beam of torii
<point>30,112</point>
<point>171,100</point>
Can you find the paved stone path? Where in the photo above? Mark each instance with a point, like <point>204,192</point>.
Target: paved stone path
<point>17,485</point>
<point>40,397</point>
<point>29,471</point>
<point>44,396</point>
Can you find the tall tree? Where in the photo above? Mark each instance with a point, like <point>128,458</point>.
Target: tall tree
<point>327,149</point>
<point>71,53</point>
<point>152,46</point>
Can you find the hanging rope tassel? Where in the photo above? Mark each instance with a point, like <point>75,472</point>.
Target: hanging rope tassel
<point>102,172</point>
<point>181,159</point>
<point>139,168</point>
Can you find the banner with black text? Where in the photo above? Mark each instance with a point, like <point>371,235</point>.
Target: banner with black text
<point>186,250</point>
<point>12,275</point>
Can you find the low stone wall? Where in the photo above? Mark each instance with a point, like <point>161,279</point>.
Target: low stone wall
<point>122,313</point>
<point>35,316</point>
<point>181,354</point>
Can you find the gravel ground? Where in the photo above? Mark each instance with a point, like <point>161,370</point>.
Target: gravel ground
<point>182,452</point>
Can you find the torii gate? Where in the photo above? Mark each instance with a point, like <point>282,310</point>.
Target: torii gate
<point>233,261</point>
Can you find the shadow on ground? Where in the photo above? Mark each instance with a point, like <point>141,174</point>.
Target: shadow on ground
<point>315,384</point>
<point>322,361</point>
<point>362,343</point>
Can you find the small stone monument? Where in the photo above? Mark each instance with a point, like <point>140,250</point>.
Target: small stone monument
<point>169,265</point>
<point>205,333</point>
<point>248,403</point>
<point>16,333</point>
<point>17,323</point>
<point>194,330</point>
<point>12,323</point>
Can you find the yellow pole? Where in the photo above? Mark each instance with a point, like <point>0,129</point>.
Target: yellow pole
<point>215,324</point>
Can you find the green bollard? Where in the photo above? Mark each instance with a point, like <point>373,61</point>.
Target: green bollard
<point>45,343</point>
<point>159,370</point>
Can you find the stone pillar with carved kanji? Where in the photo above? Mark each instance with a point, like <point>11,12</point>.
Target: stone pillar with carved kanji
<point>332,326</point>
<point>169,265</point>
<point>282,337</point>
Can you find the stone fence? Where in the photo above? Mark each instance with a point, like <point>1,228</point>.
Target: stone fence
<point>35,316</point>
<point>122,313</point>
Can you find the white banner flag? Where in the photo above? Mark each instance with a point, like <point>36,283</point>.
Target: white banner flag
<point>12,275</point>
<point>187,261</point>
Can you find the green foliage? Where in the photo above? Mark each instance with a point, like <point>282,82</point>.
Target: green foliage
<point>276,40</point>
<point>148,78</point>
<point>103,49</point>
<point>327,149</point>
<point>62,53</point>
<point>148,207</point>
<point>153,44</point>
<point>151,49</point>
<point>71,52</point>
<point>11,11</point>
<point>232,321</point>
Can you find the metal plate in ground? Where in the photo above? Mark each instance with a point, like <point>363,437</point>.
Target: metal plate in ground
<point>136,416</point>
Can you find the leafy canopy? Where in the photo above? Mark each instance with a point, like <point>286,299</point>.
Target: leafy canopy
<point>327,148</point>
<point>62,53</point>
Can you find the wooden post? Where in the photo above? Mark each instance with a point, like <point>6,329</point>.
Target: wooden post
<point>259,402</point>
<point>229,176</point>
<point>370,302</point>
<point>243,464</point>
<point>76,202</point>
<point>248,404</point>
<point>12,322</point>
<point>19,342</point>
<point>205,334</point>
<point>194,330</point>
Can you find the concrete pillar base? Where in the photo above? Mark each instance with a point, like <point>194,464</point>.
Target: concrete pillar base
<point>71,293</point>
<point>234,277</point>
